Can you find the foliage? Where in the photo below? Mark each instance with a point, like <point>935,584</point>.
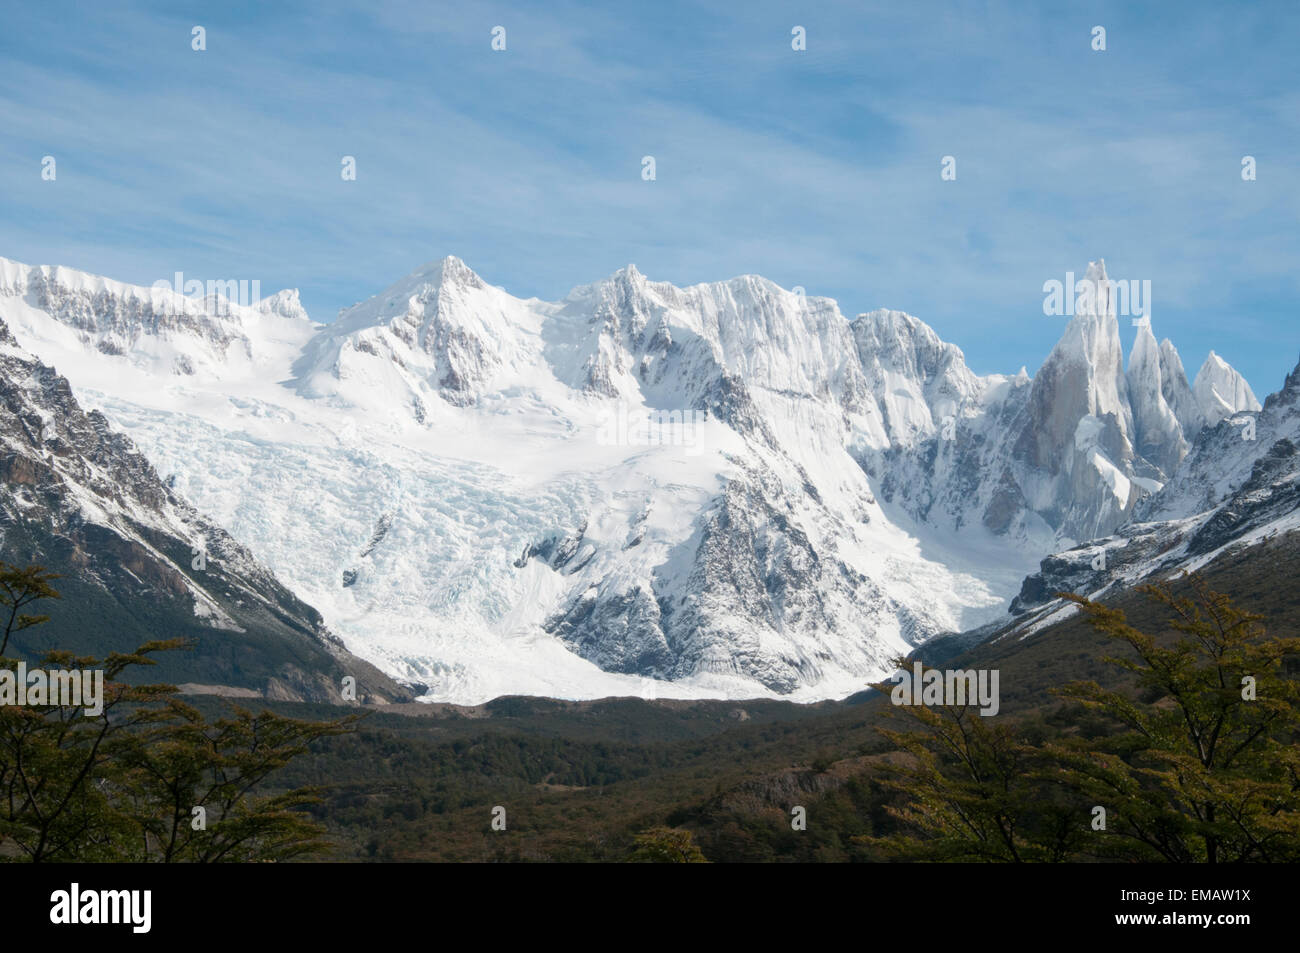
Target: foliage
<point>1205,766</point>
<point>1199,762</point>
<point>974,791</point>
<point>147,778</point>
<point>667,845</point>
<point>19,588</point>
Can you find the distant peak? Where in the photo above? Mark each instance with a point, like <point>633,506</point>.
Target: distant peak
<point>1216,365</point>
<point>1222,390</point>
<point>286,296</point>
<point>887,322</point>
<point>286,304</point>
<point>1096,270</point>
<point>448,263</point>
<point>627,280</point>
<point>448,270</point>
<point>629,274</point>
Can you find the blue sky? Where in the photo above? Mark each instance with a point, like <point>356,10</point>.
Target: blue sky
<point>817,168</point>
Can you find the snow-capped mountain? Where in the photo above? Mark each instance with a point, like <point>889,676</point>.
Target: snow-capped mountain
<point>1238,485</point>
<point>1064,457</point>
<point>729,488</point>
<point>135,558</point>
<point>157,330</point>
<point>1220,391</point>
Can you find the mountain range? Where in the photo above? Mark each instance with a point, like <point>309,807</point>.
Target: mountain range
<point>725,490</point>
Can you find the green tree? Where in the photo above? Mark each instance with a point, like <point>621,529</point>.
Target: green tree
<point>967,788</point>
<point>1204,766</point>
<point>188,786</point>
<point>1200,764</point>
<point>147,778</point>
<point>19,588</point>
<point>667,845</point>
<point>57,764</point>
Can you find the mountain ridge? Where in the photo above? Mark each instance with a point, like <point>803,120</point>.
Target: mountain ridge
<point>834,492</point>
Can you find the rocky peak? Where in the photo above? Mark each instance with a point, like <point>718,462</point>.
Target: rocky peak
<point>1082,378</point>
<point>1158,434</point>
<point>1177,391</point>
<point>1220,391</point>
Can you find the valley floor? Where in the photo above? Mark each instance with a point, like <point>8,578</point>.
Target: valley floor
<point>579,780</point>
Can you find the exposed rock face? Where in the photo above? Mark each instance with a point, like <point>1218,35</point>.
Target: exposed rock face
<point>1224,456</point>
<point>1079,430</point>
<point>1064,457</point>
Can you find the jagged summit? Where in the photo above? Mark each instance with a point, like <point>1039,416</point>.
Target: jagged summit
<point>222,333</point>
<point>1078,426</point>
<point>1177,391</point>
<point>439,332</point>
<point>285,304</point>
<point>424,284</point>
<point>1158,434</point>
<point>1220,391</point>
<point>1238,486</point>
